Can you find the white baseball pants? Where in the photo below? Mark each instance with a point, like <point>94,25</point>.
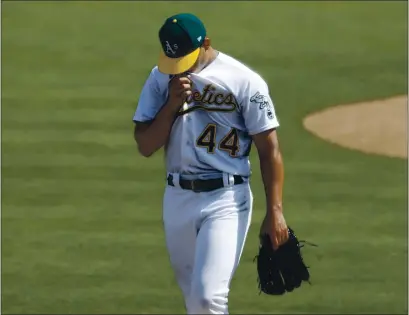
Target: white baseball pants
<point>205,235</point>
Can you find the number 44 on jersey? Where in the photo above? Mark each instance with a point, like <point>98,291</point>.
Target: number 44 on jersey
<point>229,143</point>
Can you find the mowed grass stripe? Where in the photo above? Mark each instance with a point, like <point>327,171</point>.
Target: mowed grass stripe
<point>82,135</point>
<point>61,149</point>
<point>82,223</point>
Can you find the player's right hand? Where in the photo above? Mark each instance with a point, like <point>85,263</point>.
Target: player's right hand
<point>275,226</point>
<point>180,87</point>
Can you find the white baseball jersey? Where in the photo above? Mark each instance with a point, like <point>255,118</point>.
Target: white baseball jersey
<point>212,134</point>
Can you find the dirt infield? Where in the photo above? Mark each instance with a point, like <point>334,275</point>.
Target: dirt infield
<point>375,127</point>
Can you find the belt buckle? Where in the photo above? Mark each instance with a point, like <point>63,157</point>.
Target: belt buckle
<point>192,185</point>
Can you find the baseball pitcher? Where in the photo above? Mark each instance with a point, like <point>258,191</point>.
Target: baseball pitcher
<point>206,109</point>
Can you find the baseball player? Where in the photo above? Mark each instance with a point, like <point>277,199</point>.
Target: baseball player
<point>206,108</point>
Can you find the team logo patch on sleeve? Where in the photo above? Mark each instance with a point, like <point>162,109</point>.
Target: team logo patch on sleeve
<point>263,104</point>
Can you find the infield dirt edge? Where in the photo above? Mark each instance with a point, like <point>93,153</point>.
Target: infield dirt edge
<point>360,126</point>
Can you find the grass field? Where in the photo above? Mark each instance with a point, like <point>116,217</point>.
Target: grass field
<point>81,211</point>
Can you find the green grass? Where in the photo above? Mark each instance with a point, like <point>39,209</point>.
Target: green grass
<point>81,211</point>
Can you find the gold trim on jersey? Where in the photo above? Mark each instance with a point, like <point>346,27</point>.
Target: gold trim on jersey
<point>230,143</point>
<point>207,138</point>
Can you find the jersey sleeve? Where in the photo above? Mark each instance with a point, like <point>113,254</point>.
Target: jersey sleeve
<point>150,100</point>
<point>258,108</point>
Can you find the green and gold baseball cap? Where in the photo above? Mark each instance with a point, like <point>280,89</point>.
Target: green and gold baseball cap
<point>181,37</point>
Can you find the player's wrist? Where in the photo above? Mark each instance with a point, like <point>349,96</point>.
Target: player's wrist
<point>171,108</point>
<point>276,208</point>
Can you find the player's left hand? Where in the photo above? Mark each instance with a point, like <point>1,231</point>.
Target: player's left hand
<point>275,226</point>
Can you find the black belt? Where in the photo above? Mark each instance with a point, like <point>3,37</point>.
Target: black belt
<point>203,185</point>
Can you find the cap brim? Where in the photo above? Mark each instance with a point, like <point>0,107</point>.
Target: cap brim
<point>177,65</point>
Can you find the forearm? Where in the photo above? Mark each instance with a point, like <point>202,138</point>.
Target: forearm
<point>272,170</point>
<point>157,133</point>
